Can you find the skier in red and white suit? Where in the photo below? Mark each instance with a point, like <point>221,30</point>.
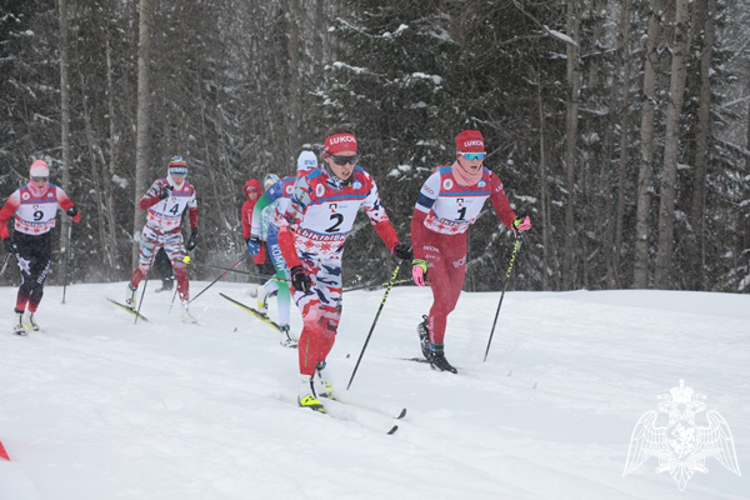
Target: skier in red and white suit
<point>320,216</point>
<point>449,202</point>
<point>35,208</point>
<point>166,200</point>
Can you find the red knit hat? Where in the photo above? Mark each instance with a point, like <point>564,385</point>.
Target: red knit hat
<point>470,141</point>
<point>340,142</point>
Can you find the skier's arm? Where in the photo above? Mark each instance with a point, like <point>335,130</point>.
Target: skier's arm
<point>379,218</point>
<point>67,205</point>
<point>426,199</point>
<point>156,193</point>
<point>500,202</point>
<point>267,199</point>
<point>9,209</point>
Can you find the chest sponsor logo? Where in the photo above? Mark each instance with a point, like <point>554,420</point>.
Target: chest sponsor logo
<point>25,196</point>
<point>357,185</point>
<point>447,184</point>
<point>320,190</point>
<point>481,184</point>
<point>288,190</point>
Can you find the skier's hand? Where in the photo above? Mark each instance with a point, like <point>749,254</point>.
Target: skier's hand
<point>253,245</point>
<point>402,251</point>
<point>74,214</point>
<point>10,247</point>
<point>164,191</point>
<point>419,271</point>
<point>192,241</point>
<point>522,223</point>
<point>300,280</point>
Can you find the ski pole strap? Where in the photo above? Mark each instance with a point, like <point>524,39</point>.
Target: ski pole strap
<point>374,322</point>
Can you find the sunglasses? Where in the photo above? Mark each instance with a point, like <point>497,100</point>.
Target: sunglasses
<point>343,160</point>
<point>474,156</point>
<point>43,179</point>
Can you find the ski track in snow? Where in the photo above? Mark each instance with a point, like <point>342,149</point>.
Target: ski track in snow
<point>94,407</point>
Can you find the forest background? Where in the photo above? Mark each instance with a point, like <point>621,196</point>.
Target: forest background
<point>619,126</point>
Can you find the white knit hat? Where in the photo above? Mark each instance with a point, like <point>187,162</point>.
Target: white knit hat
<point>306,161</point>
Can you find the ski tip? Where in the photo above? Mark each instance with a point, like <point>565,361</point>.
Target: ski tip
<point>393,430</point>
<point>402,414</point>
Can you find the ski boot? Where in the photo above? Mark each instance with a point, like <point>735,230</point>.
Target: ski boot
<point>186,316</point>
<point>322,386</point>
<point>18,327</point>
<point>424,339</point>
<point>130,296</point>
<point>307,397</point>
<point>30,322</point>
<point>287,340</point>
<point>438,361</point>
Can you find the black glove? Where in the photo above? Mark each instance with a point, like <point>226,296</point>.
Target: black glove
<point>164,192</point>
<point>300,280</point>
<point>72,211</point>
<point>402,251</point>
<point>192,241</point>
<point>10,247</point>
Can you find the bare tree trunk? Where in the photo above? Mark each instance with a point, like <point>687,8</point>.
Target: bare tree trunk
<point>571,131</point>
<point>64,116</point>
<point>624,139</point>
<point>645,172</point>
<point>543,189</point>
<point>667,191</point>
<point>598,40</point>
<point>293,20</point>
<point>109,173</point>
<point>319,35</point>
<point>702,145</point>
<point>142,137</point>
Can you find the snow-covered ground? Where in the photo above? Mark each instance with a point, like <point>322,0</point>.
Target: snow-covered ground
<point>94,408</point>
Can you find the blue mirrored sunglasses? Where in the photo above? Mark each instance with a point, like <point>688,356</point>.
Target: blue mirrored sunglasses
<point>474,156</point>
<point>44,179</point>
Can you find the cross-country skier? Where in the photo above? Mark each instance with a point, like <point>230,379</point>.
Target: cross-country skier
<point>267,221</point>
<point>35,208</point>
<point>253,192</point>
<point>320,216</point>
<point>449,202</point>
<point>166,200</point>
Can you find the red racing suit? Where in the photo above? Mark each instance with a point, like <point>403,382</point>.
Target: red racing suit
<point>443,213</point>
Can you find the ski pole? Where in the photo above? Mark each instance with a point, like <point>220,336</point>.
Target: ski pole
<point>252,275</point>
<point>67,260</point>
<point>373,287</point>
<point>145,284</point>
<point>217,279</point>
<point>507,278</point>
<point>372,328</point>
<point>7,259</point>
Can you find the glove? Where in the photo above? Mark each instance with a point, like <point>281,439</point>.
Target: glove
<point>10,247</point>
<point>164,192</point>
<point>74,213</point>
<point>522,223</point>
<point>300,280</point>
<point>192,241</point>
<point>253,245</point>
<point>419,271</point>
<point>402,251</point>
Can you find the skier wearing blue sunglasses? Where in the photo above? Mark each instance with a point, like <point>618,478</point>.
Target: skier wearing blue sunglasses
<point>449,202</point>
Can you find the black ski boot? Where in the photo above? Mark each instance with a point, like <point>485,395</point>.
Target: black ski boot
<point>439,363</point>
<point>424,339</point>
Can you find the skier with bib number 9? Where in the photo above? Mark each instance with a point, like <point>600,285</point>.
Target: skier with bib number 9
<point>35,208</point>
<point>324,204</point>
<point>166,200</point>
<point>448,203</point>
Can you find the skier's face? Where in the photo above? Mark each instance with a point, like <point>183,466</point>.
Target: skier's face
<point>471,166</point>
<point>39,181</point>
<point>342,164</point>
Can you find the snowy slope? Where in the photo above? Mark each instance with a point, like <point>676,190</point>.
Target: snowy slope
<point>95,408</point>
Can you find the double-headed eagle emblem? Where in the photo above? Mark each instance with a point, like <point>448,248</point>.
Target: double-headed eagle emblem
<point>681,446</point>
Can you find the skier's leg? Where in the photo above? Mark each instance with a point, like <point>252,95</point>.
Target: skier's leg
<point>149,245</point>
<point>174,245</point>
